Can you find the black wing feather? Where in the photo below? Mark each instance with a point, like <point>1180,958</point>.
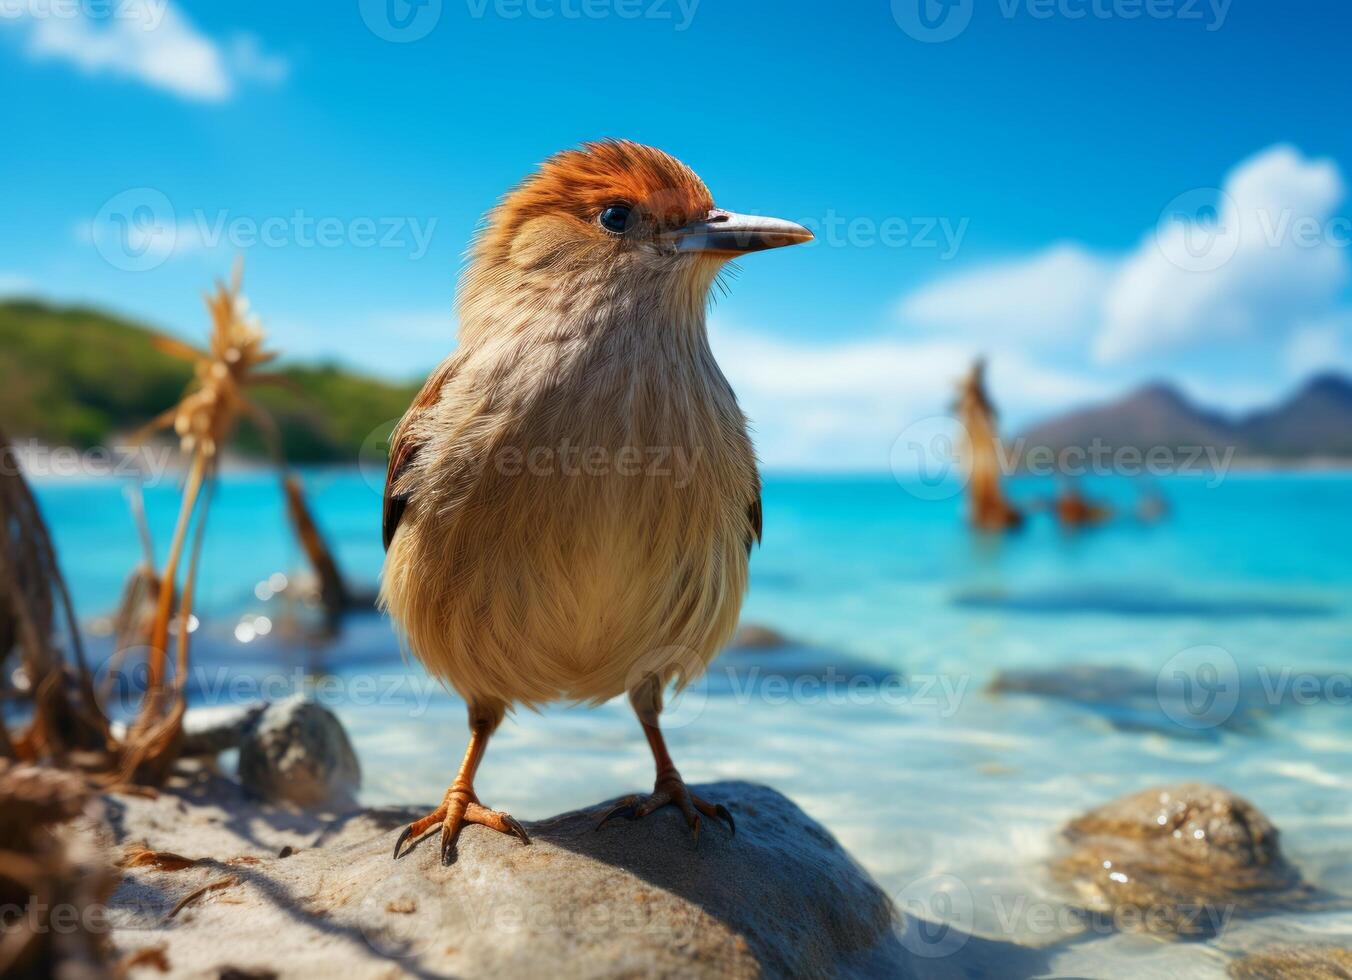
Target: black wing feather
<point>753,513</point>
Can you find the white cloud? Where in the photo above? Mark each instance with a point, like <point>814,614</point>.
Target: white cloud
<point>1269,259</point>
<point>1051,296</point>
<point>150,41</point>
<point>1253,271</point>
<point>1319,346</point>
<point>248,60</point>
<point>141,237</point>
<point>844,405</point>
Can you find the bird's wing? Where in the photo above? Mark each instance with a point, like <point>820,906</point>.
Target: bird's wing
<point>404,447</point>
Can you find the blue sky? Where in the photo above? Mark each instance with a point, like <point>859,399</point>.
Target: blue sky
<point>1007,189</point>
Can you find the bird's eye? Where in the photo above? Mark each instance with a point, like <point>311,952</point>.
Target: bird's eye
<point>615,218</point>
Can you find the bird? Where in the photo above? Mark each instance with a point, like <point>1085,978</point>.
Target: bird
<point>573,496</point>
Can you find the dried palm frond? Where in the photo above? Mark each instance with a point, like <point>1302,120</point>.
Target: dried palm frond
<point>35,601</point>
<point>204,419</point>
<point>135,616</point>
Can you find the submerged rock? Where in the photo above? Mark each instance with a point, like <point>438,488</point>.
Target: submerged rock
<point>1135,701</point>
<point>1294,963</point>
<point>297,751</point>
<point>1129,600</point>
<point>760,662</point>
<point>753,636</point>
<point>781,898</point>
<point>1177,860</point>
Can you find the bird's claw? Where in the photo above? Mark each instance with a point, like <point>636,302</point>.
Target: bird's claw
<point>516,829</point>
<point>670,791</point>
<point>460,808</point>
<point>624,807</point>
<point>723,813</point>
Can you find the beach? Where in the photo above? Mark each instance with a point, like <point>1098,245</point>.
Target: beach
<point>879,719</point>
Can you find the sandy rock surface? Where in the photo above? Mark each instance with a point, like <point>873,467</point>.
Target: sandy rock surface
<point>781,898</point>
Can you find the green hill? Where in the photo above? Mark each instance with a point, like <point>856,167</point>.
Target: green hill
<point>77,377</point>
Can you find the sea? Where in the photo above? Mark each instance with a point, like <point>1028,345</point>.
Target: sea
<point>945,703</point>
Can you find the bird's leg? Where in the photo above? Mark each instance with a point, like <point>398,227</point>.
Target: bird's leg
<point>669,789</point>
<point>460,806</point>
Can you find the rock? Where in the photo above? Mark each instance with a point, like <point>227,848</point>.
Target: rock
<point>642,898</point>
<point>213,730</point>
<point>1294,963</point>
<point>297,751</point>
<point>1177,860</point>
<point>753,636</point>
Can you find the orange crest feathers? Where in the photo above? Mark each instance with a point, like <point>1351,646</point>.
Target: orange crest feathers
<point>581,183</point>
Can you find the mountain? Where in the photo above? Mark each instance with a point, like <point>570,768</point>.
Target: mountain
<point>1314,422</point>
<point>1156,415</point>
<point>78,377</point>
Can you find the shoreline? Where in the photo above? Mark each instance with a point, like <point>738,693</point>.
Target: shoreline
<point>233,465</point>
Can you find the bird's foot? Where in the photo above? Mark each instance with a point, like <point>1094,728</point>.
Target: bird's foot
<point>459,807</point>
<point>669,790</point>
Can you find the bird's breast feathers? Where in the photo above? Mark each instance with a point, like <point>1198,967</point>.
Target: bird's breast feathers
<point>567,509</point>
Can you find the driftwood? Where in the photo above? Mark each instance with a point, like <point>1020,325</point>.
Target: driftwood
<point>35,602</point>
<point>41,878</point>
<point>988,509</point>
<point>333,591</point>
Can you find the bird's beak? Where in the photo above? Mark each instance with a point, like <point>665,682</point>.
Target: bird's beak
<point>723,232</point>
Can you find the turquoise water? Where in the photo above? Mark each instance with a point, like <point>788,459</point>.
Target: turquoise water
<point>1229,624</point>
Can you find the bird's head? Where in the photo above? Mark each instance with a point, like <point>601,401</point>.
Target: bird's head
<point>614,222</point>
